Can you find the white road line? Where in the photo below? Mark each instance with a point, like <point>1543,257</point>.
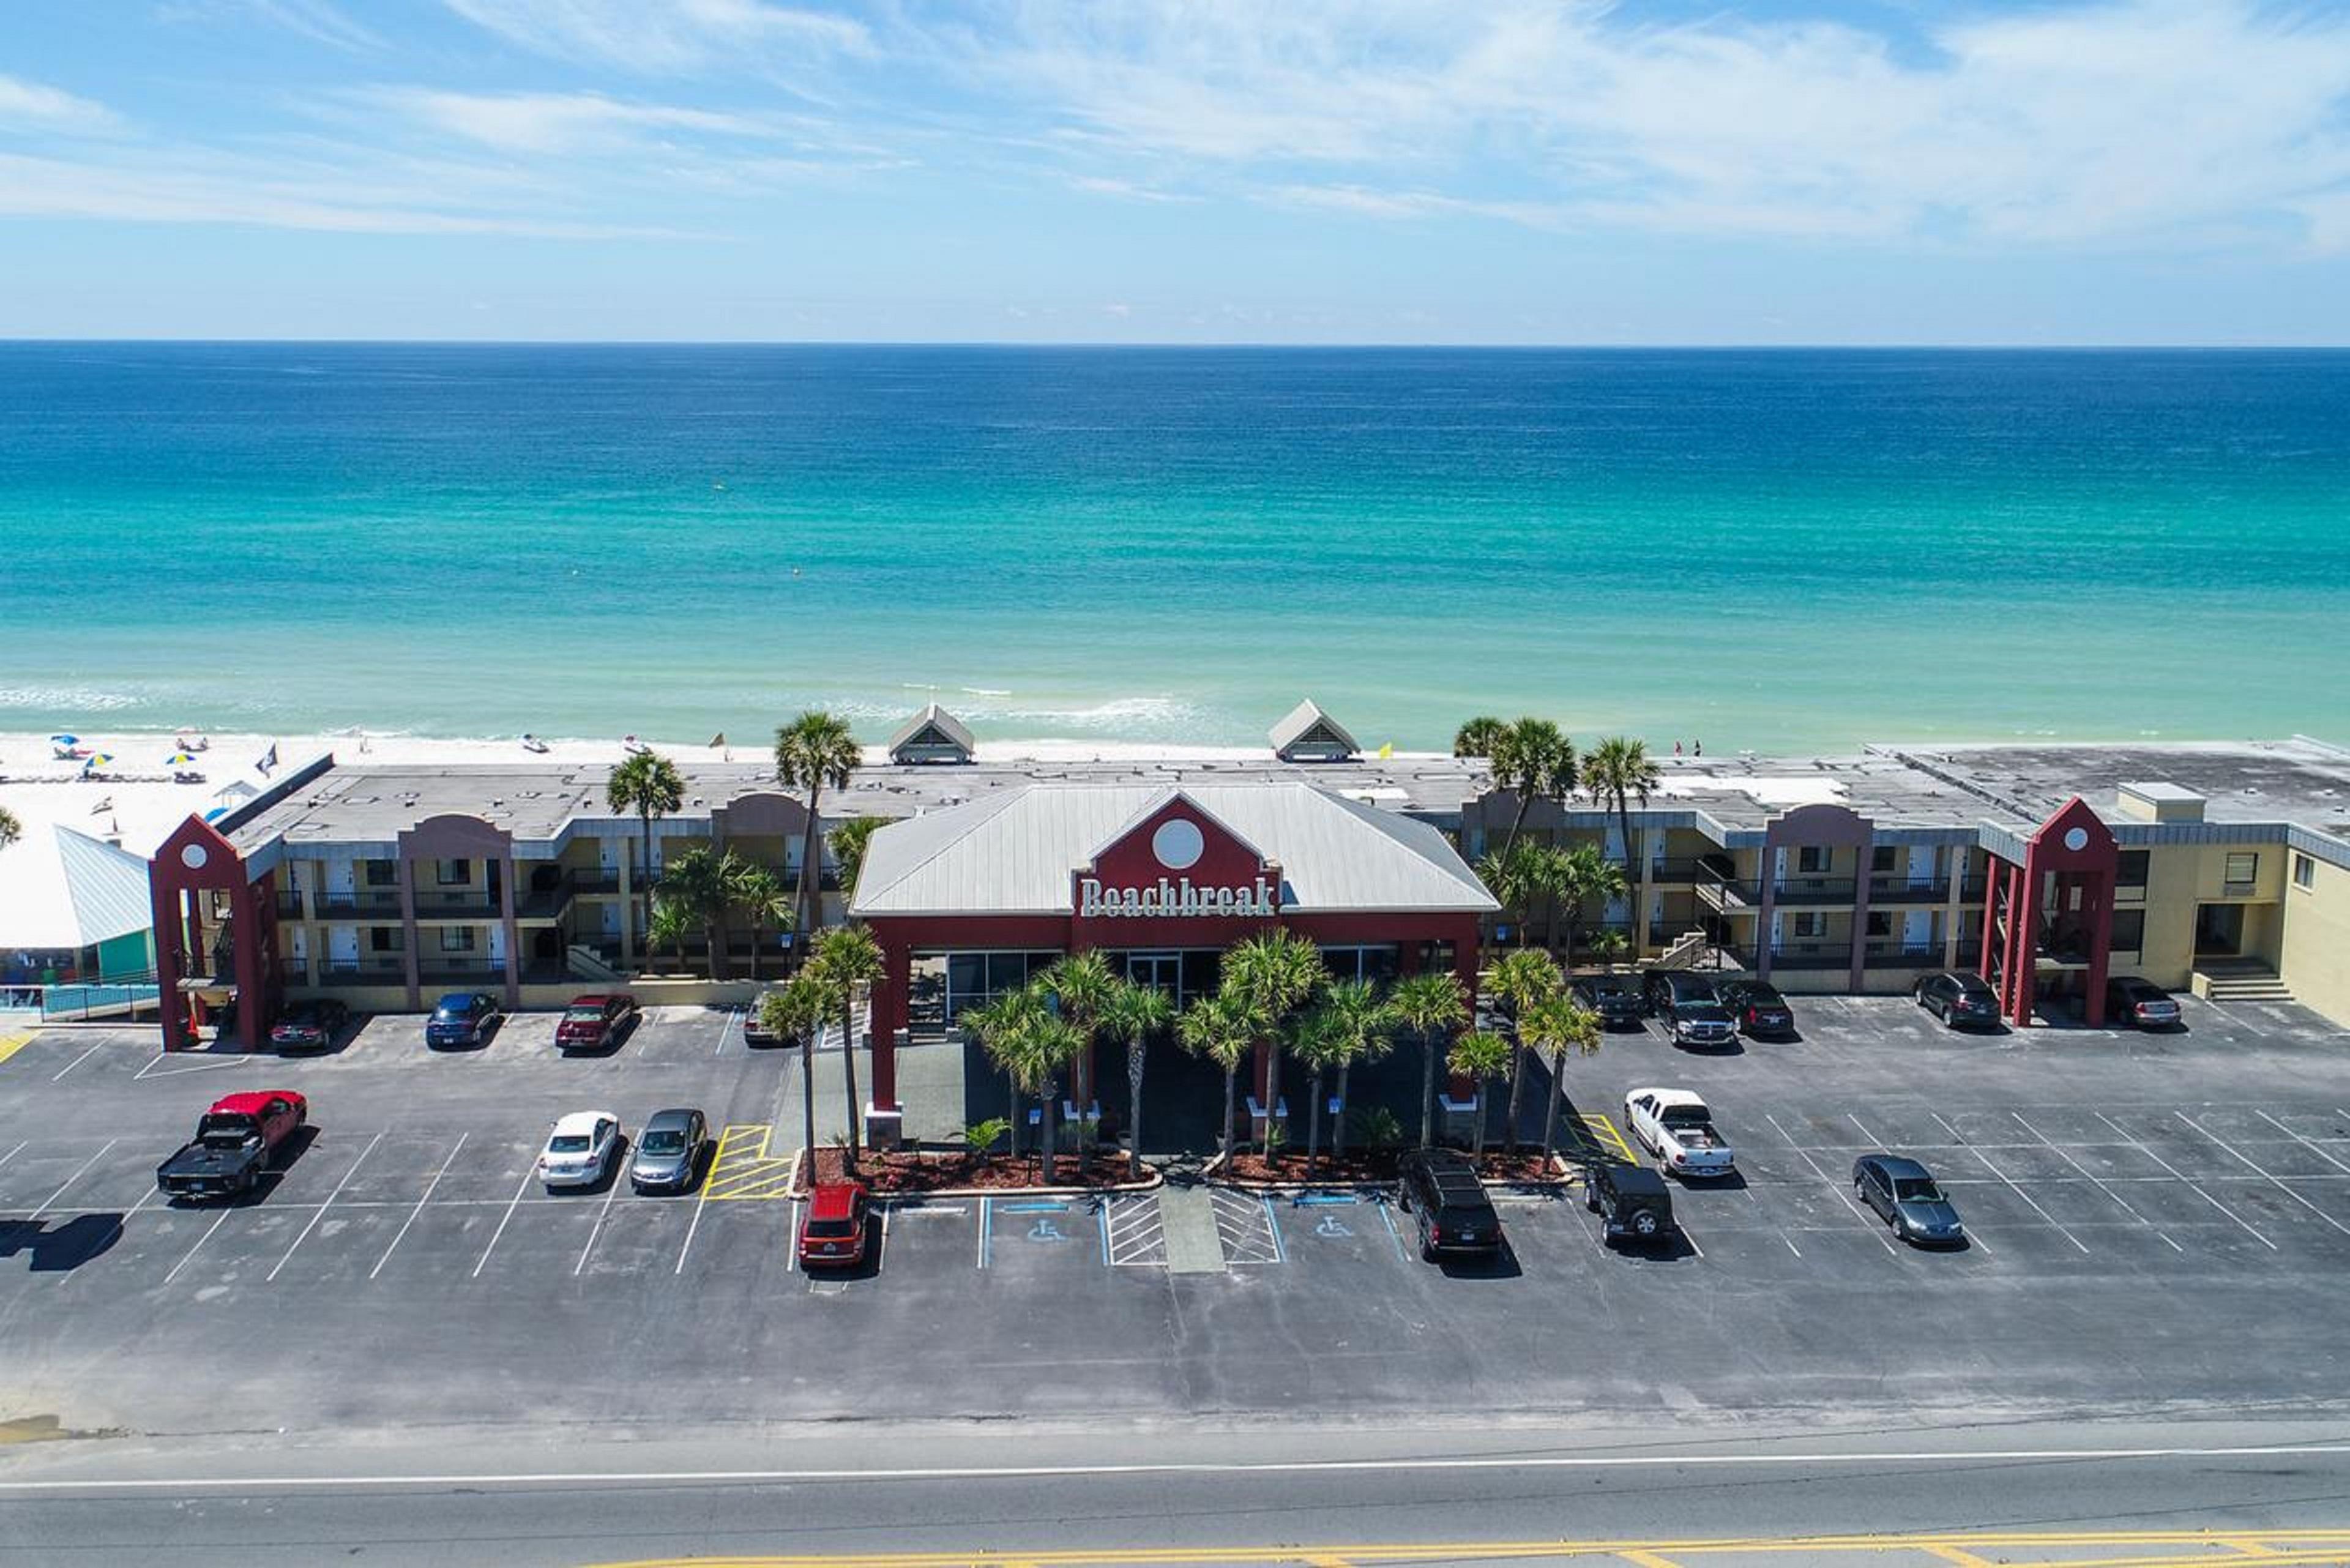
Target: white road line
<point>881,1258</point>
<point>421,1202</point>
<point>528,1171</point>
<point>2306,1142</point>
<point>1834,1185</point>
<point>191,1251</point>
<point>77,1175</point>
<point>321,1214</point>
<point>700,1200</point>
<point>1702,1459</point>
<point>1874,1140</point>
<point>79,1060</point>
<point>2273,1181</point>
<point>2067,1156</point>
<point>2147,1150</point>
<point>983,1219</point>
<point>2027,1197</point>
<point>620,1175</point>
<point>12,1153</point>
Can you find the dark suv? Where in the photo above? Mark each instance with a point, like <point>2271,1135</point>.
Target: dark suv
<point>1614,997</point>
<point>1685,1004</point>
<point>1959,999</point>
<point>1758,1008</point>
<point>1632,1202</point>
<point>1441,1189</point>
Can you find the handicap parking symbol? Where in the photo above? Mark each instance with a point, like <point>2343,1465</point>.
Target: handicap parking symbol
<point>1331,1225</point>
<point>1045,1229</point>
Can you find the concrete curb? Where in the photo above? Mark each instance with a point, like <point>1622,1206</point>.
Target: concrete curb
<point>1156,1179</point>
<point>1564,1175</point>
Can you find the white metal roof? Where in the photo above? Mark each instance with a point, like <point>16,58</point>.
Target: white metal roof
<point>73,892</point>
<point>1302,722</point>
<point>1013,853</point>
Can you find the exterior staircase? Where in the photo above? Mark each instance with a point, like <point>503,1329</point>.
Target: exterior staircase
<point>2237,980</point>
<point>1688,949</point>
<point>588,964</point>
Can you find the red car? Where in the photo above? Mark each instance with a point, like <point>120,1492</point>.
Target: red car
<point>833,1234</point>
<point>592,1022</point>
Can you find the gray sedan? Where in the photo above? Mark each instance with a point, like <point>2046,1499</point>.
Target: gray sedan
<point>669,1152</point>
<point>1903,1192</point>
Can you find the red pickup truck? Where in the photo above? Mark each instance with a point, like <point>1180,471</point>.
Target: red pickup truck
<point>234,1144</point>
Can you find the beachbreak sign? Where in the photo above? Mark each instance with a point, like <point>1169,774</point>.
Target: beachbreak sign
<point>1174,898</point>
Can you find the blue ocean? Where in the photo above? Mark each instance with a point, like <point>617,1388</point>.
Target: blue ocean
<point>1766,550</point>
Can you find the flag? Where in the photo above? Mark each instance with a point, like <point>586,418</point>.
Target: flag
<point>718,738</point>
<point>268,759</point>
<point>1387,750</point>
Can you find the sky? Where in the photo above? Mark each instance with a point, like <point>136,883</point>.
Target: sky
<point>1470,172</point>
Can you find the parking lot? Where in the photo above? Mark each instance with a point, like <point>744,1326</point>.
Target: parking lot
<point>2147,1213</point>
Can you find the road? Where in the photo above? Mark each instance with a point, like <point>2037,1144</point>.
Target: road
<point>1279,1492</point>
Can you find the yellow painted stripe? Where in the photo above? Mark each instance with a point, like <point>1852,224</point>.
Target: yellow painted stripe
<point>12,1044</point>
<point>1604,1131</point>
<point>743,1171</point>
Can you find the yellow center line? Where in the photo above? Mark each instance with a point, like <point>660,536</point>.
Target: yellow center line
<point>1960,1555</point>
<point>1646,1559</point>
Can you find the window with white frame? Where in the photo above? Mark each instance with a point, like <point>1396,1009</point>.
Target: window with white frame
<point>2304,871</point>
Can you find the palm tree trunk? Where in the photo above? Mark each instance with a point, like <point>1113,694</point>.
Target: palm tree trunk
<point>1051,1167</point>
<point>1272,1095</point>
<point>1631,866</point>
<point>1550,1116</point>
<point>755,947</point>
<point>1427,1090</point>
<point>1134,1054</point>
<point>1015,1123</point>
<point>1231,1091</point>
<point>848,1072</point>
<point>1314,1125</point>
<point>808,1093</point>
<point>1481,1120</point>
<point>1517,1090</point>
<point>807,888</point>
<point>710,943</point>
<point>1339,1122</point>
<point>645,884</point>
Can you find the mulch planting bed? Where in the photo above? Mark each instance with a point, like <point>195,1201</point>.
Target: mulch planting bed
<point>1525,1169</point>
<point>909,1170</point>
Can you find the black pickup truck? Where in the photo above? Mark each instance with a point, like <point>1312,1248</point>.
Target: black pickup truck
<point>234,1144</point>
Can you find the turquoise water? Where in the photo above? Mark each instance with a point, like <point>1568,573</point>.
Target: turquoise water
<point>1792,550</point>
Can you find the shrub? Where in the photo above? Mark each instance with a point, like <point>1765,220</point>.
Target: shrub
<point>979,1137</point>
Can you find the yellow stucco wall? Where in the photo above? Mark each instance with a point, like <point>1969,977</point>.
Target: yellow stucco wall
<point>2315,963</point>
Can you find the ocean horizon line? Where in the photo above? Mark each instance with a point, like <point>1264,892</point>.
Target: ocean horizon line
<point>1191,345</point>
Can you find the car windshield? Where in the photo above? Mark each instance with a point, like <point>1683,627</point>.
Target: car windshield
<point>834,1228</point>
<point>448,1010</point>
<point>568,1143</point>
<point>583,1014</point>
<point>1916,1190</point>
<point>666,1141</point>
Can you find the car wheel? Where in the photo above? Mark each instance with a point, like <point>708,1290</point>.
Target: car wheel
<point>1644,1223</point>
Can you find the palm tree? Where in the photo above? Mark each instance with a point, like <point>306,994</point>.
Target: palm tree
<point>648,785</point>
<point>1431,1006</point>
<point>669,927</point>
<point>1219,1028</point>
<point>1608,945</point>
<point>1520,980</point>
<point>1554,1025</point>
<point>1082,984</point>
<point>1359,1022</point>
<point>1535,761</point>
<point>1273,973</point>
<point>796,1010</point>
<point>1001,1026</point>
<point>811,751</point>
<point>701,882</point>
<point>1584,875</point>
<point>1481,1056</point>
<point>848,959</point>
<point>1522,875</point>
<point>1034,1047</point>
<point>847,843</point>
<point>11,829</point>
<point>1619,771</point>
<point>1314,1041</point>
<point>1134,1014</point>
<point>759,893</point>
<point>1479,736</point>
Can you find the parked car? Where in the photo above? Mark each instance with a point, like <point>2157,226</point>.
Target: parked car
<point>1904,1194</point>
<point>309,1025</point>
<point>1440,1188</point>
<point>1633,1202</point>
<point>236,1143</point>
<point>832,1236</point>
<point>592,1022</point>
<point>579,1152</point>
<point>755,1032</point>
<point>1757,1009</point>
<point>1674,1125</point>
<point>2130,999</point>
<point>463,1018</point>
<point>1691,1013</point>
<point>669,1151</point>
<point>1959,999</point>
<point>1614,997</point>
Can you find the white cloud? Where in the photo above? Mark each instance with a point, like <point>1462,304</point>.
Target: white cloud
<point>559,122</point>
<point>664,37</point>
<point>31,106</point>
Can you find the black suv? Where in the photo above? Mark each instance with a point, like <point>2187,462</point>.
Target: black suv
<point>1959,999</point>
<point>1614,997</point>
<point>1632,1202</point>
<point>1691,1012</point>
<point>1441,1189</point>
<point>1758,1008</point>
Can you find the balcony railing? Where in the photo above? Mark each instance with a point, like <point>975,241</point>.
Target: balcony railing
<point>289,904</point>
<point>379,969</point>
<point>1813,890</point>
<point>1900,891</point>
<point>1812,955</point>
<point>1902,955</point>
<point>597,881</point>
<point>1728,892</point>
<point>1972,888</point>
<point>356,901</point>
<point>478,972</point>
<point>1675,873</point>
<point>456,903</point>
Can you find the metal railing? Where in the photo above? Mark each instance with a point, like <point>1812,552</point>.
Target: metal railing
<point>1728,892</point>
<point>453,903</point>
<point>127,996</point>
<point>356,901</point>
<point>1900,891</point>
<point>1793,890</point>
<point>1812,955</point>
<point>289,903</point>
<point>1902,955</point>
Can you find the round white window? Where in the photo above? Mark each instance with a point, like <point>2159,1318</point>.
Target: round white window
<point>2076,839</point>
<point>1178,844</point>
<point>193,856</point>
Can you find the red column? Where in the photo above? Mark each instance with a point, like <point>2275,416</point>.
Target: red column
<point>171,951</point>
<point>2096,911</point>
<point>1994,885</point>
<point>889,1017</point>
<point>252,964</point>
<point>2023,943</point>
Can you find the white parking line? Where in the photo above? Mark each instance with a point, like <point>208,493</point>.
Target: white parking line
<point>2067,1156</point>
<point>77,1175</point>
<point>2148,1152</point>
<point>2306,1142</point>
<point>620,1175</point>
<point>1834,1185</point>
<point>791,1239</point>
<point>79,1060</point>
<point>2027,1197</point>
<point>2272,1180</point>
<point>723,1029</point>
<point>700,1201</point>
<point>528,1171</point>
<point>421,1202</point>
<point>12,1153</point>
<point>1871,1137</point>
<point>321,1214</point>
<point>189,1256</point>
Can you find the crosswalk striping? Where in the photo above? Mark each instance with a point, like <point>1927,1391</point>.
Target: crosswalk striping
<point>1244,1226</point>
<point>742,1170</point>
<point>1136,1234</point>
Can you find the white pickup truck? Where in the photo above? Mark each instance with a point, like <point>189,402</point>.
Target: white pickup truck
<point>1674,1125</point>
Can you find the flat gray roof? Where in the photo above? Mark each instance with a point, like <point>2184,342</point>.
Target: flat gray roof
<point>2301,781</point>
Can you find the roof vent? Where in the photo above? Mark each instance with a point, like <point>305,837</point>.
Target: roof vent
<point>2159,803</point>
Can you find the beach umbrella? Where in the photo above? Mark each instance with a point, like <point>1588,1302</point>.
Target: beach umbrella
<point>179,759</point>
<point>97,759</point>
<point>65,740</point>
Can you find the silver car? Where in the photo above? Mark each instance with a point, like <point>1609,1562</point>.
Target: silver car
<point>669,1151</point>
